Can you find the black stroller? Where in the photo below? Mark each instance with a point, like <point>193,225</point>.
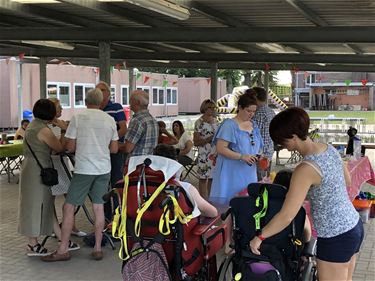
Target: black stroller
<point>284,256</point>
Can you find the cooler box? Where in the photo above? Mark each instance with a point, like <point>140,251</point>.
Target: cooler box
<point>363,207</point>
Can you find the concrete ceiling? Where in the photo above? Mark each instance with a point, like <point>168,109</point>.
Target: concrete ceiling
<point>330,35</point>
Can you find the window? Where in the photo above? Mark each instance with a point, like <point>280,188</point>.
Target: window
<point>80,91</point>
<point>125,95</point>
<point>59,91</point>
<point>113,93</point>
<point>144,88</point>
<point>310,79</point>
<point>158,95</point>
<point>171,95</point>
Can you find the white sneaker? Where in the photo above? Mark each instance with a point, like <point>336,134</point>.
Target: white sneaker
<point>79,233</point>
<point>73,246</point>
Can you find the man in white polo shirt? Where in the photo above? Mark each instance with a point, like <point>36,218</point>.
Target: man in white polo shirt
<point>92,135</point>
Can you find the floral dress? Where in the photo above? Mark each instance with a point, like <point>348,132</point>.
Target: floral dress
<point>207,152</point>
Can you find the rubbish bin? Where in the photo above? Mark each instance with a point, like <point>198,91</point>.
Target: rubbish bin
<point>27,114</point>
<point>127,113</point>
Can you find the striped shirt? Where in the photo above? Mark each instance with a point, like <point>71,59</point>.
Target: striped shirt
<point>143,132</point>
<point>263,117</point>
<point>117,112</point>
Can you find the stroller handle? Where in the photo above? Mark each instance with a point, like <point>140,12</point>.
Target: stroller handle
<point>109,195</point>
<point>224,216</point>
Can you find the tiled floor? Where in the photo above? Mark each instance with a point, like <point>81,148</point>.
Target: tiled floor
<point>15,265</point>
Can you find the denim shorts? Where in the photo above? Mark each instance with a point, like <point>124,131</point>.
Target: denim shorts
<point>341,248</point>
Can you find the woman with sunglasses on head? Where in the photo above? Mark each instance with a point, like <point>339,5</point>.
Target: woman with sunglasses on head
<point>204,129</point>
<point>238,144</point>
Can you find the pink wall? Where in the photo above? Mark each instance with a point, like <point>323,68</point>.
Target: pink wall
<point>192,91</point>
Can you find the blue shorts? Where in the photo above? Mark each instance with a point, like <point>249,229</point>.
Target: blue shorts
<point>342,247</point>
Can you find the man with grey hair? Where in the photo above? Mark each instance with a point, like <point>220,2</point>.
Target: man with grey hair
<point>142,135</point>
<point>92,135</point>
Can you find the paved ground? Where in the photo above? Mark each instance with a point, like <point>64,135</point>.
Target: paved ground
<point>15,265</point>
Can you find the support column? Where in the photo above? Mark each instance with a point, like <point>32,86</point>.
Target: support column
<point>266,82</point>
<point>19,92</point>
<point>105,62</point>
<point>214,82</point>
<point>132,85</point>
<point>43,77</point>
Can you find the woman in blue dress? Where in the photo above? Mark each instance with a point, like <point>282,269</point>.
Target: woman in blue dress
<point>238,143</point>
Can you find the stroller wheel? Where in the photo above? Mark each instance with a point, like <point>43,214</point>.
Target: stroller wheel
<point>309,272</point>
<point>226,269</point>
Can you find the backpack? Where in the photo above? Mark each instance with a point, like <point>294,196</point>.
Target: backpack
<point>146,263</point>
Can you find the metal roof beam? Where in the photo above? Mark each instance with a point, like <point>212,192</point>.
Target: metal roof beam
<point>307,12</point>
<point>219,57</point>
<point>342,34</point>
<point>227,65</point>
<point>353,48</point>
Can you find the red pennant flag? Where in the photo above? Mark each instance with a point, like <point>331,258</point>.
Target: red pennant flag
<point>295,69</point>
<point>146,79</point>
<point>364,82</point>
<point>267,67</point>
<point>208,80</point>
<point>21,56</point>
<point>118,66</point>
<point>174,83</point>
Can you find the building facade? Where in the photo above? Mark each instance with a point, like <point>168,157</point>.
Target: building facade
<point>334,90</point>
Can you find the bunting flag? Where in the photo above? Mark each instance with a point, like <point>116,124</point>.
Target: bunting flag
<point>165,83</point>
<point>364,82</point>
<point>21,56</point>
<point>347,82</point>
<point>138,75</point>
<point>174,83</point>
<point>208,80</point>
<point>145,79</point>
<point>118,66</point>
<point>295,69</point>
<point>267,67</point>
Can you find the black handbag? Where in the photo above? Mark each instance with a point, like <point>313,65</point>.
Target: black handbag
<point>49,176</point>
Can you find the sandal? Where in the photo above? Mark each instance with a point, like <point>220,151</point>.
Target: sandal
<point>73,246</point>
<point>36,250</point>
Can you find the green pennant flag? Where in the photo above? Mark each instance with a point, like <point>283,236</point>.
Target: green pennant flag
<point>138,75</point>
<point>165,83</point>
<point>347,82</point>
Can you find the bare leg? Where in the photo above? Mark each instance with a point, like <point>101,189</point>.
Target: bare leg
<point>56,226</point>
<point>332,271</point>
<point>67,225</point>
<point>99,226</point>
<point>203,188</point>
<point>32,241</point>
<point>351,267</point>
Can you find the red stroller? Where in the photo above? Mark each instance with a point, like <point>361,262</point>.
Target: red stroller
<point>155,209</point>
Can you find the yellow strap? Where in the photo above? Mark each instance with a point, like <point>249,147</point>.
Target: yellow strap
<point>137,226</point>
<point>121,228</point>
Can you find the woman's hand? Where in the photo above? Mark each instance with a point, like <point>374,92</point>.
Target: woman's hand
<point>60,123</point>
<point>249,159</point>
<point>255,245</point>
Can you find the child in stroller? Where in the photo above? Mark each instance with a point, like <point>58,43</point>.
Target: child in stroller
<point>281,257</point>
<point>157,214</point>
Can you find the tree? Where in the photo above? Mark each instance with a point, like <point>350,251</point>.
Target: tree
<point>256,78</point>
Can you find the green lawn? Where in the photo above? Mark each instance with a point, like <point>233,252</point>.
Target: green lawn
<point>369,115</point>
